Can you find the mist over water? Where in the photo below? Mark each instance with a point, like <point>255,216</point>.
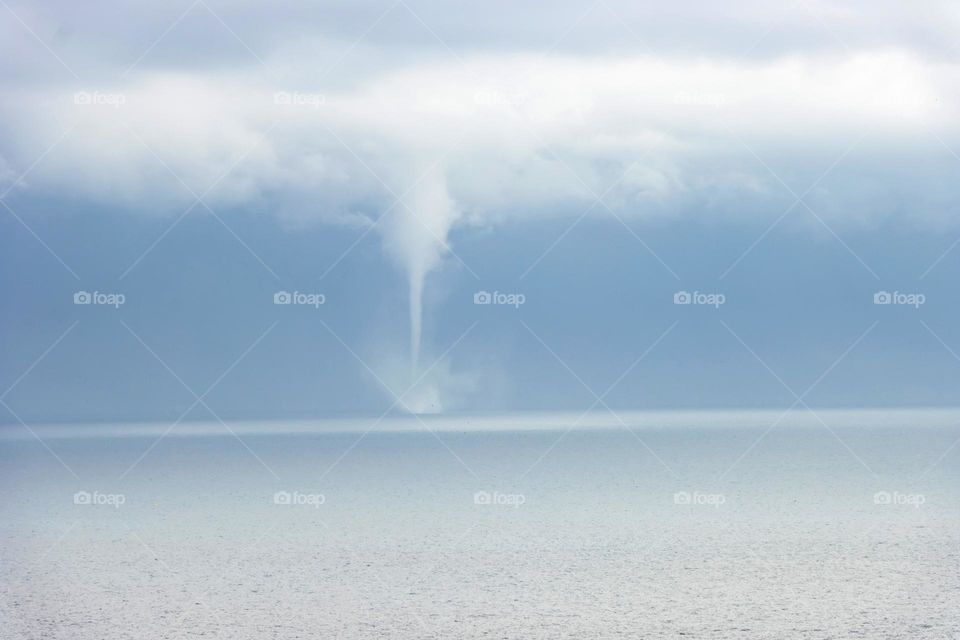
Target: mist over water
<point>416,322</point>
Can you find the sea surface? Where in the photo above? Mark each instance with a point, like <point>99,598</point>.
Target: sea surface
<point>839,529</point>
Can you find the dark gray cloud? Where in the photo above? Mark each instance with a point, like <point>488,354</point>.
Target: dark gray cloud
<point>100,38</point>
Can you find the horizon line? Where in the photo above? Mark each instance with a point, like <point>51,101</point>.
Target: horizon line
<point>503,421</point>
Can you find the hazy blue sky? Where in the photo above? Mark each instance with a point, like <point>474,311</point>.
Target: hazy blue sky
<point>597,159</point>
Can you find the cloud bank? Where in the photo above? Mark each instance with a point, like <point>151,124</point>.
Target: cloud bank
<point>386,132</point>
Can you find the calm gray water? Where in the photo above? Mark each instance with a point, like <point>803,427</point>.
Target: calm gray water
<point>660,533</point>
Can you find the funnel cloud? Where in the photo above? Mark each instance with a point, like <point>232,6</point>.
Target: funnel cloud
<point>415,236</point>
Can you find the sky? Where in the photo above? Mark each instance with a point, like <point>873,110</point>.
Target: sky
<point>170,172</point>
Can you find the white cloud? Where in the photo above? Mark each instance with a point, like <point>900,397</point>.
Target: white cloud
<point>519,132</point>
